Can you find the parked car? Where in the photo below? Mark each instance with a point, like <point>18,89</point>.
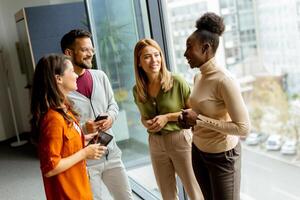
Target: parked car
<point>274,143</point>
<point>252,139</point>
<point>256,138</point>
<point>289,147</point>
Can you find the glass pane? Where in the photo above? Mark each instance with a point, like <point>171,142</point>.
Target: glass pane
<point>260,47</point>
<point>117,26</point>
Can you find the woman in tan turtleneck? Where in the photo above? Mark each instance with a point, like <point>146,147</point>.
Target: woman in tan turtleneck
<point>218,115</point>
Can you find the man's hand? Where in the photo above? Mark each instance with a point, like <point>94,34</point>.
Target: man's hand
<point>101,125</point>
<point>105,124</point>
<point>91,126</point>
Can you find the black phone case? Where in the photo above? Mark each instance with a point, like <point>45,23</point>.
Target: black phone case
<point>100,117</point>
<point>103,138</point>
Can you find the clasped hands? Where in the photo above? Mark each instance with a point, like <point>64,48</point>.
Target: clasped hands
<point>156,124</point>
<point>187,118</point>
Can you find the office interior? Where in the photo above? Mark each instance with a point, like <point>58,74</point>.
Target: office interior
<point>259,46</point>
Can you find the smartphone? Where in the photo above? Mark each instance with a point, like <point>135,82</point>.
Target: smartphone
<point>100,117</point>
<point>103,138</point>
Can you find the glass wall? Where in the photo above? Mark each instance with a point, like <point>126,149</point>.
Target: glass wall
<point>117,26</point>
<point>260,45</point>
<point>116,31</point>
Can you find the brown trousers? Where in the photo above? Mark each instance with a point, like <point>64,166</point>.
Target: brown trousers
<point>170,155</point>
<point>218,174</point>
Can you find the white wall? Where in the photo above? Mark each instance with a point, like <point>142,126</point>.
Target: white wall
<point>8,38</point>
<point>5,111</point>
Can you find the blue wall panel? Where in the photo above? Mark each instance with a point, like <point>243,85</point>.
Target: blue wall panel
<point>47,25</point>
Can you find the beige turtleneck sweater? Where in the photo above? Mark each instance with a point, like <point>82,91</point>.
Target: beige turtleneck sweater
<point>222,114</point>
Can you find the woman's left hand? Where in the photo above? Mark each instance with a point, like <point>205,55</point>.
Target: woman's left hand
<point>158,123</point>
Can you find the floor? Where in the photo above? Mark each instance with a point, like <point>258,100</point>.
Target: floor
<point>144,176</point>
<point>134,152</point>
<point>20,173</point>
<point>20,176</point>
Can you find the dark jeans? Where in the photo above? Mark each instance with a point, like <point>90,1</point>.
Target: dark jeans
<point>218,174</point>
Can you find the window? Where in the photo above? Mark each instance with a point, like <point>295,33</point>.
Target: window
<point>117,26</point>
<point>261,48</point>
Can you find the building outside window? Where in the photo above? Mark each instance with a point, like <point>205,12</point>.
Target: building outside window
<point>260,44</point>
<point>116,27</point>
<point>259,47</point>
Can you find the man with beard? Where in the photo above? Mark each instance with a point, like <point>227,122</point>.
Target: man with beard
<point>94,97</point>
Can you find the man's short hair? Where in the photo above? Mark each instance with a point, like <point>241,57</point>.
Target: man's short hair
<point>69,38</point>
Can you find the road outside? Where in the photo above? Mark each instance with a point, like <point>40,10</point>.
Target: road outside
<point>269,175</point>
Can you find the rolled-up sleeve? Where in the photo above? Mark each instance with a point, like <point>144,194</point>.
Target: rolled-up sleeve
<point>50,143</point>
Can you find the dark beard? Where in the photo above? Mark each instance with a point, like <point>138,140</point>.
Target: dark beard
<point>82,65</point>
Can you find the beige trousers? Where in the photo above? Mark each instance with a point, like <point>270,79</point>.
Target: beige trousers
<point>171,155</point>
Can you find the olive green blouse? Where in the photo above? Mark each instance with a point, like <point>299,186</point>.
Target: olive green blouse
<point>165,102</point>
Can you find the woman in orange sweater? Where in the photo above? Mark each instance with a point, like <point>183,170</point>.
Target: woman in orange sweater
<point>61,143</point>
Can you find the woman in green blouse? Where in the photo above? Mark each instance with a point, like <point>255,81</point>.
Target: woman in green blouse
<point>160,96</point>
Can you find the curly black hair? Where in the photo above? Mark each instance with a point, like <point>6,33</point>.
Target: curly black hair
<point>211,22</point>
<point>209,27</point>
